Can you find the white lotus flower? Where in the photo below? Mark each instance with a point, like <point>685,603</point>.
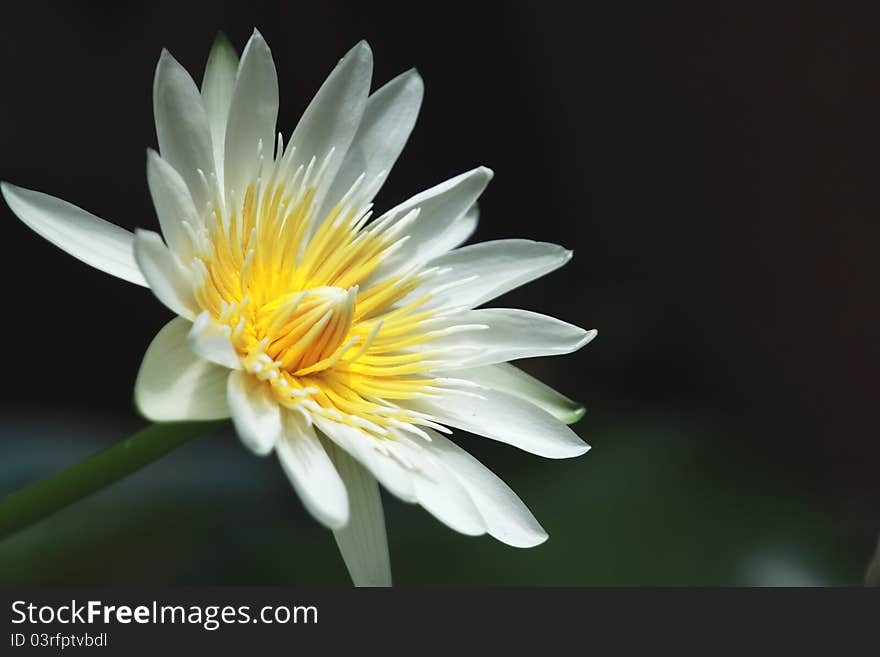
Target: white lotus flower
<point>345,344</point>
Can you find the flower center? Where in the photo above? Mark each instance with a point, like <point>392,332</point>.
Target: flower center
<point>302,300</point>
<point>307,332</point>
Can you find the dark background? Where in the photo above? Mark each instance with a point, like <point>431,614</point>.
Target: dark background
<point>712,167</point>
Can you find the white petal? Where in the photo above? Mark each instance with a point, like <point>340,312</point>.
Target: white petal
<point>310,471</point>
<point>173,384</point>
<point>83,235</point>
<point>182,125</point>
<point>444,496</point>
<point>512,380</point>
<point>425,480</point>
<point>363,542</point>
<point>481,272</point>
<point>168,280</point>
<point>388,120</point>
<point>217,85</point>
<point>256,415</point>
<point>211,341</point>
<point>252,115</point>
<point>447,217</point>
<point>507,518</point>
<point>174,204</point>
<point>332,118</point>
<point>504,418</point>
<point>509,334</point>
<point>362,447</point>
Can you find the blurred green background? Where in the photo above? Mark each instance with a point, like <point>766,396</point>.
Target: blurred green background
<point>714,168</point>
<point>665,500</point>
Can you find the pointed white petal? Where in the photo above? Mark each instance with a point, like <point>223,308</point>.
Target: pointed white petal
<point>507,518</point>
<point>510,334</point>
<point>447,217</point>
<point>217,85</point>
<point>310,471</point>
<point>332,118</point>
<point>389,472</point>
<point>182,125</point>
<point>388,120</point>
<point>96,242</point>
<point>425,480</point>
<point>363,542</point>
<point>256,415</point>
<point>444,496</point>
<point>210,340</point>
<point>168,280</point>
<point>504,418</point>
<point>174,204</point>
<point>174,385</point>
<point>252,115</point>
<point>512,380</point>
<point>481,272</point>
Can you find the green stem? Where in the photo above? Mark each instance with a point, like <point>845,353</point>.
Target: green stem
<point>41,499</point>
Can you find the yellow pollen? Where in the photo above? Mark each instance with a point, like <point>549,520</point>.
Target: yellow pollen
<point>290,287</point>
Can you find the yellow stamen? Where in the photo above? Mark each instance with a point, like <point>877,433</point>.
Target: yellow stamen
<point>290,287</point>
